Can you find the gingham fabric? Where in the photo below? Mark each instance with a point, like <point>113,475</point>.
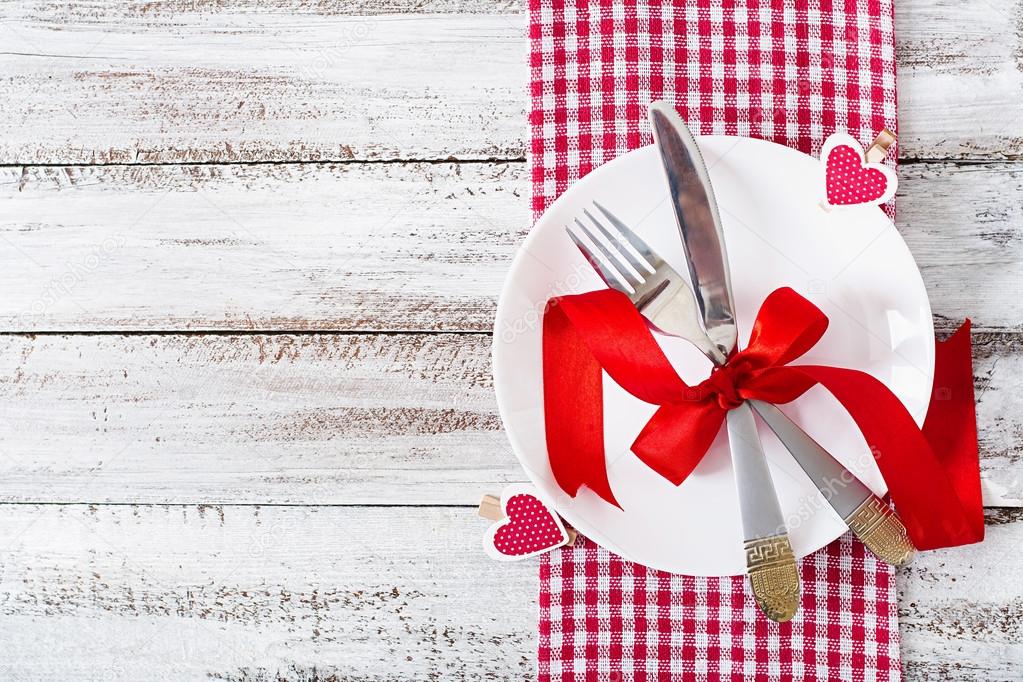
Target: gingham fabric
<point>604,618</point>
<point>791,72</point>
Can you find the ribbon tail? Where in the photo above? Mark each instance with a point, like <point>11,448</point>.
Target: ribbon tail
<point>926,485</point>
<point>951,424</point>
<point>573,408</point>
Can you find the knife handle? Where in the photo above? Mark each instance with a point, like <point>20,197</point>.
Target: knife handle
<point>867,516</point>
<point>773,576</point>
<point>770,562</point>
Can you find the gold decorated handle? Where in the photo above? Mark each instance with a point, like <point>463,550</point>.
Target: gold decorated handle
<point>881,530</point>
<point>774,577</point>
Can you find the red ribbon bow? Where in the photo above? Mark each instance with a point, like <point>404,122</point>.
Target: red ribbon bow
<point>932,474</point>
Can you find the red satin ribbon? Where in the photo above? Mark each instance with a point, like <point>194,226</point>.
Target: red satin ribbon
<point>933,474</point>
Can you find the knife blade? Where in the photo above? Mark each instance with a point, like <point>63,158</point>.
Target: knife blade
<point>770,562</point>
<point>699,224</point>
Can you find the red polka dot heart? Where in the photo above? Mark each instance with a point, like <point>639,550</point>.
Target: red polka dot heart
<point>849,180</point>
<point>531,527</point>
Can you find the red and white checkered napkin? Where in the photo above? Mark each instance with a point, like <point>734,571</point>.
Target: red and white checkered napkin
<point>788,71</point>
<point>604,618</point>
<point>792,72</point>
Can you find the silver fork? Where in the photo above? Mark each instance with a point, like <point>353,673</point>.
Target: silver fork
<point>664,298</point>
<point>654,287</point>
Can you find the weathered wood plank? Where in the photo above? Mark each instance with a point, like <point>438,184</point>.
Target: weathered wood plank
<point>258,594</point>
<point>281,419</point>
<point>378,247</point>
<point>176,81</point>
<point>960,78</point>
<point>963,223</point>
<point>106,83</point>
<point>366,247</point>
<point>961,610</point>
<point>324,419</point>
<point>294,594</point>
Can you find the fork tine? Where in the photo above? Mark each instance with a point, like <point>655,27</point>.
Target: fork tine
<point>610,275</point>
<point>638,264</point>
<point>641,246</point>
<point>615,259</point>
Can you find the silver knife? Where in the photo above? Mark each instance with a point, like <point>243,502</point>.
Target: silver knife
<point>866,515</point>
<point>770,562</point>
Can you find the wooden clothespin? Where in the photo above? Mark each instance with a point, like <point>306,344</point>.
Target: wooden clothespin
<point>878,149</point>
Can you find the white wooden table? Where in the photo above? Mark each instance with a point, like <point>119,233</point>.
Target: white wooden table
<point>249,260</point>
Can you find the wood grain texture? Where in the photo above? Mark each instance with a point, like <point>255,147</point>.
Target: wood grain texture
<point>173,81</point>
<point>963,223</point>
<point>211,81</point>
<point>366,247</point>
<point>960,79</point>
<point>281,419</point>
<point>379,247</point>
<point>296,419</point>
<point>961,609</point>
<point>250,594</point>
<point>297,594</point>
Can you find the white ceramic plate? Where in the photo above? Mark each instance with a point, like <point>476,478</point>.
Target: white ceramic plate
<point>851,262</point>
